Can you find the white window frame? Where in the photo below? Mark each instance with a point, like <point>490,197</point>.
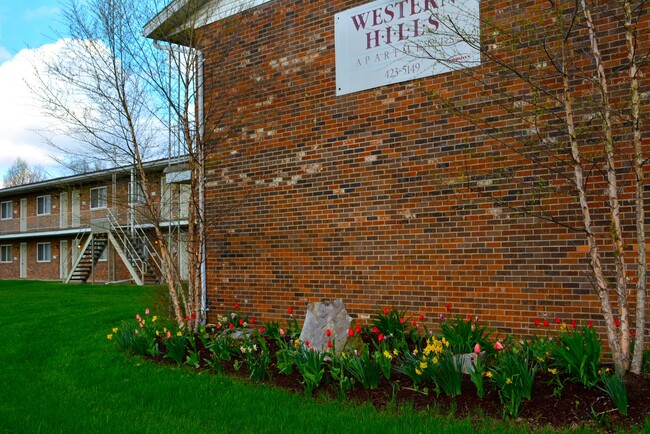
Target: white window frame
<point>104,256</point>
<point>6,253</point>
<point>46,200</point>
<point>99,204</point>
<point>7,210</point>
<point>43,258</point>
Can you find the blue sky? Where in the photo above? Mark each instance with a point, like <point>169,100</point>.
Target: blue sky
<point>28,24</point>
<point>29,30</point>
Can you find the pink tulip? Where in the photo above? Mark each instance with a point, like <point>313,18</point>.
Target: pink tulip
<point>146,311</point>
<point>498,346</point>
<point>477,348</point>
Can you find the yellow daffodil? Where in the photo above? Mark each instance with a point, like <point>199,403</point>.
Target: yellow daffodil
<point>488,374</point>
<point>157,333</point>
<point>423,365</point>
<point>508,381</point>
<point>395,352</point>
<point>434,360</point>
<point>109,337</point>
<point>552,371</point>
<point>115,329</point>
<point>417,371</point>
<point>387,355</point>
<point>179,333</point>
<point>154,319</point>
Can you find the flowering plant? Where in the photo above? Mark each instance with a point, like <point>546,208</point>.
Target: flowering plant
<point>364,368</point>
<point>577,355</point>
<point>256,358</point>
<point>338,370</point>
<point>176,345</point>
<point>392,323</point>
<point>221,350</point>
<point>137,336</point>
<point>464,333</point>
<point>514,377</point>
<point>310,364</point>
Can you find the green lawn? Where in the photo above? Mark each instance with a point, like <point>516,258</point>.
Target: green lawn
<point>59,373</point>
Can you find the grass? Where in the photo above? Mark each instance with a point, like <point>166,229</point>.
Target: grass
<point>60,374</point>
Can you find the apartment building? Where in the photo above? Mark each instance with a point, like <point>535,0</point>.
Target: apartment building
<point>93,227</point>
<point>363,170</point>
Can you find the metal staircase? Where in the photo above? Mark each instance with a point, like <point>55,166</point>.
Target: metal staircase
<point>90,253</point>
<point>132,245</point>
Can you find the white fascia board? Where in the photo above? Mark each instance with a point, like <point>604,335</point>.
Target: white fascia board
<point>208,12</point>
<point>64,232</point>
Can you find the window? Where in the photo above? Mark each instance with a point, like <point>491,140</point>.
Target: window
<point>43,253</point>
<point>6,210</point>
<point>136,195</point>
<point>43,205</point>
<point>98,197</point>
<point>104,256</point>
<point>6,253</point>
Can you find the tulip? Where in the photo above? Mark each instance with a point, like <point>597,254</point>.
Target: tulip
<point>498,346</point>
<point>477,349</point>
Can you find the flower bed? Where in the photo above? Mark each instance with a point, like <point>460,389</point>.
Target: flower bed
<point>556,379</point>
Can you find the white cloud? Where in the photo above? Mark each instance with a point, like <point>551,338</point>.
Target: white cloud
<point>20,115</point>
<point>4,54</point>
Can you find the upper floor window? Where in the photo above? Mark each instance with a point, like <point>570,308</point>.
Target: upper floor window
<point>43,252</point>
<point>5,253</point>
<point>98,197</point>
<point>43,205</point>
<point>136,193</point>
<point>6,210</point>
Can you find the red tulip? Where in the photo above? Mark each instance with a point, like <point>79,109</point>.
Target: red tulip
<point>236,305</point>
<point>448,307</point>
<point>385,311</point>
<point>421,317</point>
<point>590,324</point>
<point>328,332</point>
<point>252,320</point>
<point>231,326</point>
<point>617,322</point>
<point>193,316</point>
<point>375,330</point>
<point>358,329</point>
<point>536,321</point>
<point>290,310</point>
<point>557,320</point>
<point>545,323</point>
<point>380,337</point>
<point>261,329</point>
<point>573,323</point>
<point>350,332</point>
<point>329,344</point>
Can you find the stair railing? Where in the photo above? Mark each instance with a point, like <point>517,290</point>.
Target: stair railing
<point>133,247</point>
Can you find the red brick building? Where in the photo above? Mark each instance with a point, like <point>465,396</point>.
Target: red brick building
<point>388,195</point>
<point>49,230</point>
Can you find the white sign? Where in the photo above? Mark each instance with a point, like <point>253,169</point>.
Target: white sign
<point>389,41</point>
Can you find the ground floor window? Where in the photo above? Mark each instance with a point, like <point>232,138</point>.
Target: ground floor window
<point>6,253</point>
<point>43,252</point>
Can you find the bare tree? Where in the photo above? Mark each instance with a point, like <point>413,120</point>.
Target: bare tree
<point>564,97</point>
<point>21,173</point>
<point>127,99</point>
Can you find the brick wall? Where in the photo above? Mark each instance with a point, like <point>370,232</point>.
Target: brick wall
<point>382,197</point>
